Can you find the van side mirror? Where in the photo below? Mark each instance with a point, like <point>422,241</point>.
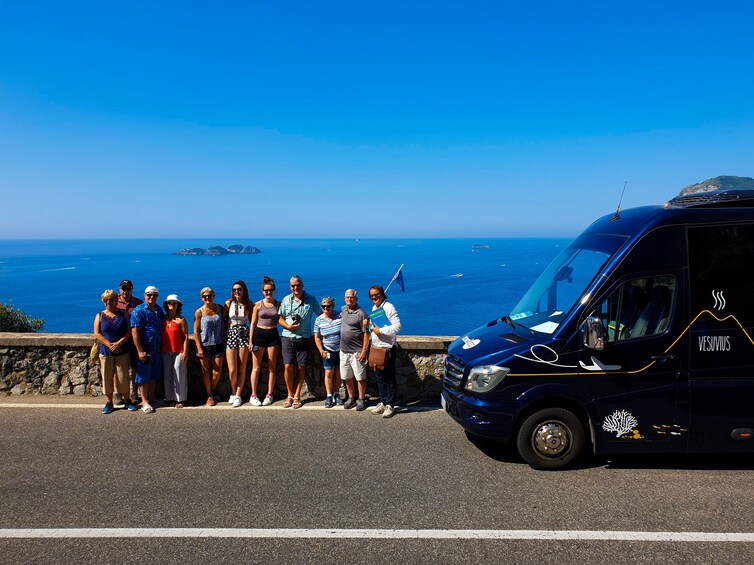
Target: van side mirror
<point>593,333</point>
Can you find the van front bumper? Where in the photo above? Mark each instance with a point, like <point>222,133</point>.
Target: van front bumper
<point>480,417</point>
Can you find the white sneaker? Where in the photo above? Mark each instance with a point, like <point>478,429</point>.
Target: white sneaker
<point>236,401</point>
<point>389,411</point>
<point>232,399</point>
<point>267,400</point>
<point>255,401</point>
<point>379,409</point>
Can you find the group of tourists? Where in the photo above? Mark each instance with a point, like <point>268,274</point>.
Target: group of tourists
<point>141,342</point>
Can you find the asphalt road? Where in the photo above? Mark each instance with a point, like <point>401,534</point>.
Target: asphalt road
<point>72,467</point>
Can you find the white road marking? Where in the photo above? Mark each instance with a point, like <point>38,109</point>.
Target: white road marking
<point>574,535</point>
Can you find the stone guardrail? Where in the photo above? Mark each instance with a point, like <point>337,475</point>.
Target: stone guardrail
<point>59,364</point>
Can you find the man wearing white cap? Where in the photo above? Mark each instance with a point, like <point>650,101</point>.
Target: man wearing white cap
<point>146,330</point>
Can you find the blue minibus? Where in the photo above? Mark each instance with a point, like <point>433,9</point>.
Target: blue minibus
<point>638,338</point>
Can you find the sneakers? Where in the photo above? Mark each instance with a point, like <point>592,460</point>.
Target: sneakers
<point>130,406</point>
<point>329,402</point>
<point>361,405</point>
<point>255,401</point>
<point>211,401</point>
<point>267,400</point>
<point>237,401</point>
<point>379,409</point>
<point>389,411</point>
<point>108,408</point>
<point>338,399</point>
<point>232,399</point>
<point>350,403</point>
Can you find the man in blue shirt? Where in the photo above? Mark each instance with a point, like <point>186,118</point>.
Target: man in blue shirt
<point>296,313</point>
<point>146,330</point>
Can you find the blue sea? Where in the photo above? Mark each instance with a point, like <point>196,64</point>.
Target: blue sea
<point>451,286</point>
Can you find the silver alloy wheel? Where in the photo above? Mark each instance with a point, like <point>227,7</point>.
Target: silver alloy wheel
<point>551,439</point>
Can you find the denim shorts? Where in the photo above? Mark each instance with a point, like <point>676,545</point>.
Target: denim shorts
<point>333,362</point>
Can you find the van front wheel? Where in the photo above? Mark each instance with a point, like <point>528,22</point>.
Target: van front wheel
<point>552,438</point>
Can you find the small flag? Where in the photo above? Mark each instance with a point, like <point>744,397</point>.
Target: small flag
<point>399,279</point>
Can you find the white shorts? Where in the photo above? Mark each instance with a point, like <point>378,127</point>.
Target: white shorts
<point>350,366</point>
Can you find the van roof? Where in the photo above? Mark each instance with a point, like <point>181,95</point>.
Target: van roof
<point>632,221</point>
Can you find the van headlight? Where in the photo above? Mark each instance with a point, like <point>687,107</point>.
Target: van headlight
<point>485,377</point>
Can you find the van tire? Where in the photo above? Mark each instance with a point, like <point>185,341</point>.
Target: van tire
<point>550,439</point>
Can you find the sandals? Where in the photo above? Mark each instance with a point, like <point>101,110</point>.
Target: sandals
<point>288,402</point>
<point>297,403</point>
<point>147,409</point>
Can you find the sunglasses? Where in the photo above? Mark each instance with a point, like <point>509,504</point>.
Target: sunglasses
<point>151,295</point>
<point>327,306</point>
<point>206,296</point>
<point>237,290</point>
<point>373,296</point>
<point>296,285</point>
<point>269,290</point>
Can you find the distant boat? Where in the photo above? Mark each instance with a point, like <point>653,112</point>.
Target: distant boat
<point>480,246</point>
<point>457,275</point>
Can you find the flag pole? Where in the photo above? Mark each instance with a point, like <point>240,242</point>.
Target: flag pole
<point>395,276</point>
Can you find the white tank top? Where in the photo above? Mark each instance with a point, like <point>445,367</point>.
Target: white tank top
<point>237,314</point>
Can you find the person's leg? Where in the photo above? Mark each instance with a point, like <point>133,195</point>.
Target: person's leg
<point>217,371</point>
<point>169,375</point>
<point>107,370</point>
<point>272,368</point>
<point>181,371</point>
<point>231,357</point>
<point>391,382</point>
<point>329,381</point>
<point>206,363</point>
<point>256,368</point>
<point>243,360</point>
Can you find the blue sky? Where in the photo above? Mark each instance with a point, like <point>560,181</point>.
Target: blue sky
<point>354,119</point>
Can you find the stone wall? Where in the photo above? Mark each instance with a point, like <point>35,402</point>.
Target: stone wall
<point>59,364</point>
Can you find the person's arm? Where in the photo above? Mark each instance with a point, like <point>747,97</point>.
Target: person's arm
<point>198,333</point>
<point>364,348</point>
<point>126,336</point>
<point>320,346</point>
<point>254,322</point>
<point>98,332</point>
<point>137,342</point>
<point>184,327</point>
<point>137,337</point>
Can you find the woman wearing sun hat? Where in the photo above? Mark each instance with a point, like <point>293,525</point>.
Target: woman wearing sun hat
<point>174,352</point>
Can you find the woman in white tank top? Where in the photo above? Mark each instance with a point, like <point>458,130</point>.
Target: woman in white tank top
<point>237,315</point>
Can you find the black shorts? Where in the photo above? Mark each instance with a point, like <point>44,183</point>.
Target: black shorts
<point>296,351</point>
<point>265,337</point>
<point>216,350</point>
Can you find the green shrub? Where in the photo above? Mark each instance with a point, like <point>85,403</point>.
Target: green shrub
<point>15,320</point>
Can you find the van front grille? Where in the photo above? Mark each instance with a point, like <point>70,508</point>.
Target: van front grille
<point>453,372</point>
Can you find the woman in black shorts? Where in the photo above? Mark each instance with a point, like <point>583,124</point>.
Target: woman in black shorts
<point>208,336</point>
<point>265,338</point>
<point>237,315</point>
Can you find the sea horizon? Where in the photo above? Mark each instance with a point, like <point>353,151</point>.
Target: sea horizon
<point>451,285</point>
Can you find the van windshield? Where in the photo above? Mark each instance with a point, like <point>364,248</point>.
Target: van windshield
<point>560,287</point>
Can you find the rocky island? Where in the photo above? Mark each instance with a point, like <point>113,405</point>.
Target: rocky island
<point>219,250</point>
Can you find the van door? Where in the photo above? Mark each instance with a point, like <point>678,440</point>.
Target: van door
<point>634,379</point>
<point>721,383</point>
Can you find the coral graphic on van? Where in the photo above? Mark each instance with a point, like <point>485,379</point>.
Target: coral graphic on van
<point>621,422</point>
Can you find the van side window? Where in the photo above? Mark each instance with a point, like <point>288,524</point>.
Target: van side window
<point>638,308</point>
<point>719,261</point>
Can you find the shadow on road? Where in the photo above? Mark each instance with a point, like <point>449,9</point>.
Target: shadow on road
<point>686,462</point>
